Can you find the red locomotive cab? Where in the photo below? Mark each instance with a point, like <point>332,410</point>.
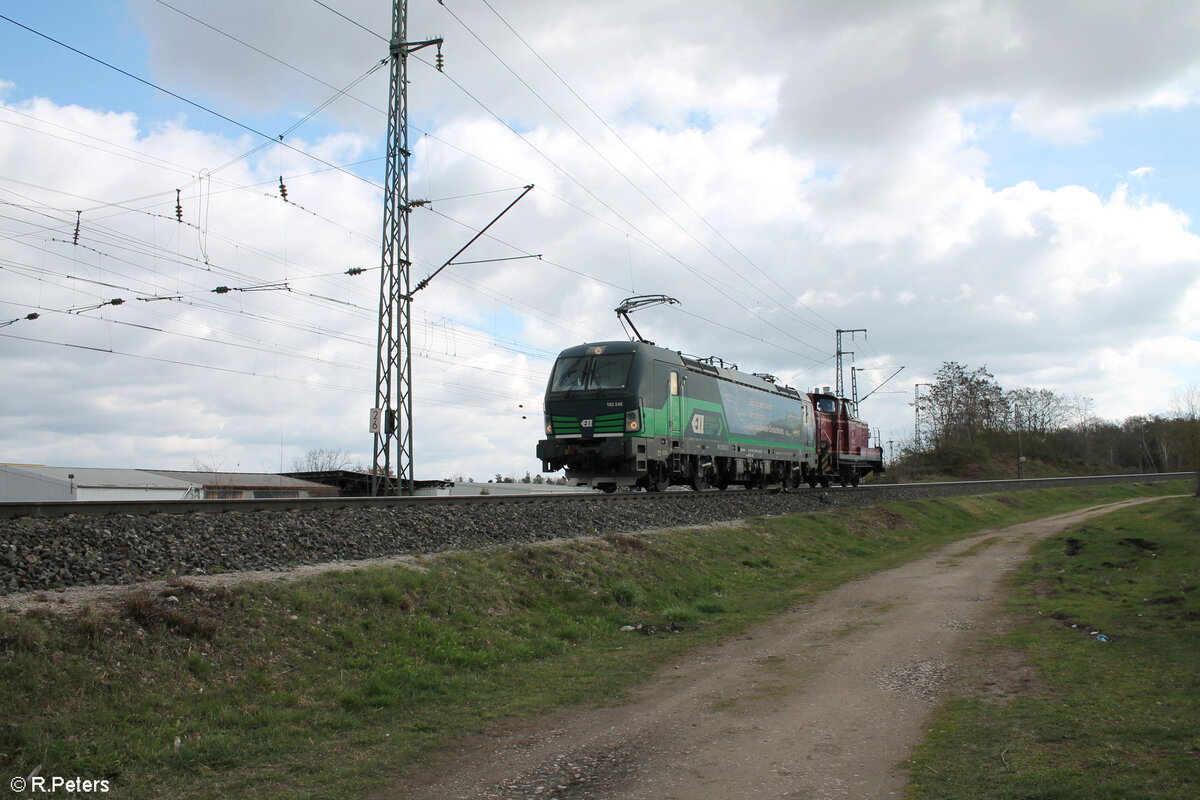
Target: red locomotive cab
<point>832,421</point>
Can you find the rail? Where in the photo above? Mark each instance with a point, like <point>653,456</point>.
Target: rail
<point>100,508</point>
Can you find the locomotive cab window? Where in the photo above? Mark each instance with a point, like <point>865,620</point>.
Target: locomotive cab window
<point>827,405</point>
<point>580,373</point>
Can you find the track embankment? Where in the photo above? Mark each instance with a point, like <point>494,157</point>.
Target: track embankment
<point>99,544</point>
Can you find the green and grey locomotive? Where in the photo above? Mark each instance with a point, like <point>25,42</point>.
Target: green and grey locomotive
<point>630,414</point>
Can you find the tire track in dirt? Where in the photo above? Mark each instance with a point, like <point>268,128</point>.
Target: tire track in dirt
<point>824,701</point>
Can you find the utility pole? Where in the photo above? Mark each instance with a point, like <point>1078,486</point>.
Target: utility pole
<point>1020,450</point>
<point>839,382</point>
<point>391,418</point>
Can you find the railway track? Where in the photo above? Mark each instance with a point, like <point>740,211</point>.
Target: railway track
<point>879,492</point>
<point>57,545</point>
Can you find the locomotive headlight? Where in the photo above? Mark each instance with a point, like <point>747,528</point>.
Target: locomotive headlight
<point>549,427</point>
<point>633,421</point>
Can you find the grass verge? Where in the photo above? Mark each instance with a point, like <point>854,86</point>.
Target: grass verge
<point>1094,692</point>
<point>331,685</point>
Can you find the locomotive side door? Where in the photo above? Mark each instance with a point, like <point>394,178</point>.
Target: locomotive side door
<point>674,403</point>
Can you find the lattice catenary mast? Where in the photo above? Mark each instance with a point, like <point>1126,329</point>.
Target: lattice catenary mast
<point>839,388</point>
<point>392,424</point>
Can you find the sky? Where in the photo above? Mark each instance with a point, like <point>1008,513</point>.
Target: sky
<point>1007,185</point>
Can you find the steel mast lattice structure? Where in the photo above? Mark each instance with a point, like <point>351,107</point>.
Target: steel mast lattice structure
<point>391,418</point>
<point>839,388</point>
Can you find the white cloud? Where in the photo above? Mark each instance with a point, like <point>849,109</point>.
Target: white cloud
<point>829,148</point>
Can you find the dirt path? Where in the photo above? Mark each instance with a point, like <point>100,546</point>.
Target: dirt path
<point>823,702</point>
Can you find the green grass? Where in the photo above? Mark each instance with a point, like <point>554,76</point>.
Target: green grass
<point>1089,719</point>
<point>332,685</point>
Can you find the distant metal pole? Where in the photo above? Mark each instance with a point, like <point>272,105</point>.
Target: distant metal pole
<point>1020,451</point>
<point>916,416</point>
<point>854,388</point>
<point>917,413</point>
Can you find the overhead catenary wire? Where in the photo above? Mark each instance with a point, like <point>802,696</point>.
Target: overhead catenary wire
<point>620,172</point>
<point>180,97</point>
<point>474,286</point>
<point>194,297</point>
<point>243,342</point>
<point>125,205</point>
<point>365,310</point>
<point>650,168</point>
<point>721,288</point>
<point>355,23</point>
<point>724,289</point>
<point>262,52</point>
<point>456,400</point>
<point>698,274</point>
<point>276,59</point>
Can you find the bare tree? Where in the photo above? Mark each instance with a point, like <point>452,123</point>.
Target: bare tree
<point>321,460</point>
<point>1039,411</point>
<point>1186,409</point>
<point>961,406</point>
<point>214,464</point>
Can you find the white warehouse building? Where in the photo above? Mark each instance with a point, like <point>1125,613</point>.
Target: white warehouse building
<point>30,483</point>
<point>34,483</point>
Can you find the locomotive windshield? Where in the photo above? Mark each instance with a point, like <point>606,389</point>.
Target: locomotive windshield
<point>580,373</point>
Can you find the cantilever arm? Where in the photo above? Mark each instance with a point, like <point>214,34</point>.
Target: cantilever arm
<point>461,250</point>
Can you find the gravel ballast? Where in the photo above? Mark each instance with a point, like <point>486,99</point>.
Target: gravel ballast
<point>40,553</point>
